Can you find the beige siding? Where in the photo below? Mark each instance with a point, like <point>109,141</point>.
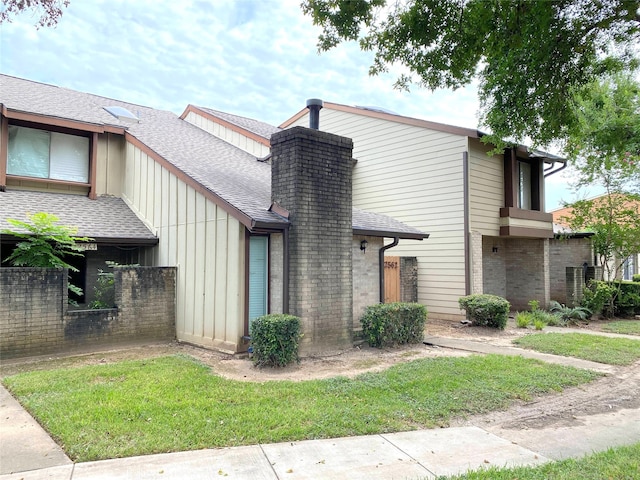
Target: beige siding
<point>242,142</point>
<point>414,175</point>
<point>110,164</point>
<point>203,241</point>
<point>486,189</point>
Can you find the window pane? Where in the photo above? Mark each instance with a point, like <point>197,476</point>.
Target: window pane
<point>524,186</point>
<point>28,152</point>
<point>69,157</point>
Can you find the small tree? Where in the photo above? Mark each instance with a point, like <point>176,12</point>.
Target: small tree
<point>44,244</point>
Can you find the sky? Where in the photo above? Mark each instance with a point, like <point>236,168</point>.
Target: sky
<point>255,58</point>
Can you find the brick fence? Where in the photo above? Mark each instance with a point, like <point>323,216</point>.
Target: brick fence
<point>35,318</point>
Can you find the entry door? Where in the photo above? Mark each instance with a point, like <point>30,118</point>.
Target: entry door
<point>258,276</point>
<point>391,279</point>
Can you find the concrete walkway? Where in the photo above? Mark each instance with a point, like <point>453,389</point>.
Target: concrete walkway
<point>27,452</point>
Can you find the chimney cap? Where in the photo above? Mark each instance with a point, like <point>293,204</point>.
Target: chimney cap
<point>315,102</point>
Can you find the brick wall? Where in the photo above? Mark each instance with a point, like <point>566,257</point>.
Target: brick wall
<point>276,278</point>
<point>527,268</point>
<point>516,269</point>
<point>494,274</point>
<point>35,318</point>
<point>366,276</point>
<point>563,253</point>
<point>311,178</point>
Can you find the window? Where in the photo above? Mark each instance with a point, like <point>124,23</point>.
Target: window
<point>628,268</point>
<point>258,276</point>
<point>42,154</point>
<point>524,185</point>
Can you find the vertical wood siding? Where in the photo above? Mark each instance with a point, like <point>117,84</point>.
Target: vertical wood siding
<point>203,241</point>
<point>234,138</point>
<point>416,176</point>
<point>110,164</point>
<point>486,189</point>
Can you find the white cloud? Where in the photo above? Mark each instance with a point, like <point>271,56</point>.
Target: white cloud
<point>248,57</point>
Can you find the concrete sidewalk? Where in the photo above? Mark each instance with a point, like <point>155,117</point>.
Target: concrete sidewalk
<point>27,452</point>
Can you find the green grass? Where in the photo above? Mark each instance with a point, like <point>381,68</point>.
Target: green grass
<point>612,351</point>
<point>616,463</point>
<point>628,327</point>
<point>174,403</point>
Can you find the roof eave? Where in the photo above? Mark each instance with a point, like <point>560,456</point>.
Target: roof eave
<point>389,234</point>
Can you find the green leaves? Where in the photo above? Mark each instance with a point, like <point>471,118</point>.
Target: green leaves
<point>44,244</point>
<point>528,57</point>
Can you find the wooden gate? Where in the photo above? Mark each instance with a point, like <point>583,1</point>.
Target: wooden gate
<point>391,279</point>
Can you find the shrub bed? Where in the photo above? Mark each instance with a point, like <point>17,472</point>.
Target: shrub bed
<point>397,323</point>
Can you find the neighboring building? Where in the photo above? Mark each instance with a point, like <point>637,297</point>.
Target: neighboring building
<point>195,192</point>
<point>486,216</point>
<point>630,265</point>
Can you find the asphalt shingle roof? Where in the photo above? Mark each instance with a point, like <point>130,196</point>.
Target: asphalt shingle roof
<point>228,172</point>
<point>107,219</point>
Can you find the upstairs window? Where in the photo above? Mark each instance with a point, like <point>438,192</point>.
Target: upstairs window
<point>524,185</point>
<point>52,155</point>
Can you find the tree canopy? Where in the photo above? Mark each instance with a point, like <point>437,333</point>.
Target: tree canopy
<point>529,57</point>
<point>604,140</point>
<point>49,11</point>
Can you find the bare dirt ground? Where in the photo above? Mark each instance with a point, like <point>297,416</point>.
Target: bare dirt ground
<point>620,390</point>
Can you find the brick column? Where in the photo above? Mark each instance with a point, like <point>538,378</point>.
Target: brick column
<point>311,178</point>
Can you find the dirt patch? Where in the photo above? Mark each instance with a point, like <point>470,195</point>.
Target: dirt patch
<point>611,392</point>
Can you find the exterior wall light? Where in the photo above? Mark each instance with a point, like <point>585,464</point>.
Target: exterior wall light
<point>363,245</point>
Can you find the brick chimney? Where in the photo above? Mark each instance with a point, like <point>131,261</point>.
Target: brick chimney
<point>311,178</point>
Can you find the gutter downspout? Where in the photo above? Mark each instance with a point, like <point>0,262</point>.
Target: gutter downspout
<point>564,165</point>
<point>395,242</point>
<point>467,233</point>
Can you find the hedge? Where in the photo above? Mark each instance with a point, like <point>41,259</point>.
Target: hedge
<point>486,310</point>
<point>388,324</point>
<point>275,339</point>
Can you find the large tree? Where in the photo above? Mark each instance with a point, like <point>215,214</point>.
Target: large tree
<point>49,11</point>
<point>529,57</point>
<point>603,142</point>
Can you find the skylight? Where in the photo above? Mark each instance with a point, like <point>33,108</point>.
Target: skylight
<point>122,113</point>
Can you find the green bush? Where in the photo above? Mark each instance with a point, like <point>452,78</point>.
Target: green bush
<point>627,303</point>
<point>567,315</point>
<point>524,319</point>
<point>275,339</point>
<point>486,310</point>
<point>389,324</point>
<point>597,297</point>
<point>104,291</point>
<point>636,277</point>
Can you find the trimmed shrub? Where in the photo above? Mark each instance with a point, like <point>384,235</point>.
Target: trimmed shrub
<point>636,277</point>
<point>387,324</point>
<point>627,303</point>
<point>275,339</point>
<point>486,310</point>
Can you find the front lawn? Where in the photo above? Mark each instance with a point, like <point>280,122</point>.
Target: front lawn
<point>627,327</point>
<point>175,403</point>
<point>619,463</point>
<point>597,348</point>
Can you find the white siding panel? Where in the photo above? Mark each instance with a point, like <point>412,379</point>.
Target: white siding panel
<point>204,243</point>
<point>414,175</point>
<point>231,136</point>
<point>486,189</point>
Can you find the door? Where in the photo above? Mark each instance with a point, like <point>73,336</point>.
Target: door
<point>258,276</point>
<point>391,279</point>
